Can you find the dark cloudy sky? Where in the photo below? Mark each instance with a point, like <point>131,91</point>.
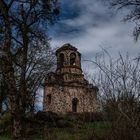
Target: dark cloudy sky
<point>90,25</point>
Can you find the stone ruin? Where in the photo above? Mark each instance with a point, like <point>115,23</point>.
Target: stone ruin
<point>66,90</point>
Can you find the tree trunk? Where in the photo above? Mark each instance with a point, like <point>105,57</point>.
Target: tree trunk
<point>14,98</point>
<point>17,115</point>
<point>9,75</point>
<point>0,107</point>
<point>17,127</point>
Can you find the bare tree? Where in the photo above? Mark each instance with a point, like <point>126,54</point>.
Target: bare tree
<point>132,8</point>
<point>41,61</point>
<point>22,27</point>
<point>119,86</point>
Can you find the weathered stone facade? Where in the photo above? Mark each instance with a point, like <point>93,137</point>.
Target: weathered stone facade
<point>67,90</point>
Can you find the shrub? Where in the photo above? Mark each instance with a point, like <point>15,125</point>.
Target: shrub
<point>5,122</point>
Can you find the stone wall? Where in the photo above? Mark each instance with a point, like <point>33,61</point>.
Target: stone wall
<point>62,97</point>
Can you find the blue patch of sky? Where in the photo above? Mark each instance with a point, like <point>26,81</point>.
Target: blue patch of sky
<point>62,30</point>
<point>68,10</point>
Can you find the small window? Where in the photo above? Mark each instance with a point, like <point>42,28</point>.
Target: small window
<point>49,99</point>
<point>61,59</point>
<point>72,59</point>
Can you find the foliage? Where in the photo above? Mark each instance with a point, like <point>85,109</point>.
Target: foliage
<point>5,123</point>
<point>4,137</point>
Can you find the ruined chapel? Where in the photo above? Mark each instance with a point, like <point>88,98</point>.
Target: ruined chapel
<point>66,90</point>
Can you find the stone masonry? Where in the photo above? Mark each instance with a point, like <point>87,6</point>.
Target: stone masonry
<point>67,90</point>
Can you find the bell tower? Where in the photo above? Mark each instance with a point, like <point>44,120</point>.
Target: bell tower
<point>69,64</point>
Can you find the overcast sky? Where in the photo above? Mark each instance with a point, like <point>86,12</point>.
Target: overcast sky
<point>90,25</point>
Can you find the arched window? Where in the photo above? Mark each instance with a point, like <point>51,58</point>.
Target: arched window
<point>74,104</point>
<point>61,58</point>
<point>72,59</point>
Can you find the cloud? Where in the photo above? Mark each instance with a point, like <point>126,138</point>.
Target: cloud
<point>90,25</point>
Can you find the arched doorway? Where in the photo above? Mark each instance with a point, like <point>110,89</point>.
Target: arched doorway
<point>74,104</point>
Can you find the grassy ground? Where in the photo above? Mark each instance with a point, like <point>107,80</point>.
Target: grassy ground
<point>4,137</point>
<point>83,132</point>
<point>78,132</point>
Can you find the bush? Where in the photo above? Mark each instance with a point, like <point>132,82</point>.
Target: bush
<point>86,116</point>
<point>47,116</point>
<point>5,122</point>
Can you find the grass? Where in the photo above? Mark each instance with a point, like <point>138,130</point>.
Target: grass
<point>4,137</point>
<point>66,134</point>
<point>100,128</point>
<point>84,132</point>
